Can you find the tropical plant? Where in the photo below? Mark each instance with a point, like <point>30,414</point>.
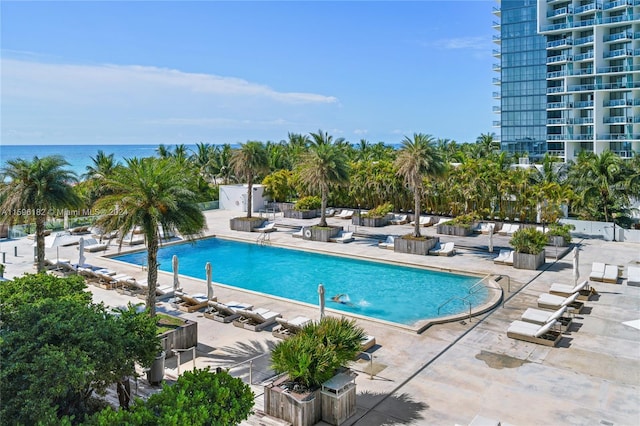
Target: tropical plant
<point>156,194</point>
<point>417,159</point>
<point>313,355</point>
<point>561,230</point>
<point>322,168</point>
<point>308,203</point>
<point>250,162</point>
<point>528,240</point>
<point>279,185</point>
<point>34,191</point>
<point>379,211</point>
<point>464,220</point>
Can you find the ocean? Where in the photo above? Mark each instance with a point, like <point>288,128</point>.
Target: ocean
<point>78,156</point>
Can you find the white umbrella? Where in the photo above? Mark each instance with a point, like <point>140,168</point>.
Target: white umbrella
<point>65,222</point>
<point>176,281</point>
<point>56,240</point>
<point>491,238</point>
<point>207,268</point>
<point>321,296</point>
<point>576,263</point>
<point>82,258</point>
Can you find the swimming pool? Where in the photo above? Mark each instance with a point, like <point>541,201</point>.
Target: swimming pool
<point>384,291</point>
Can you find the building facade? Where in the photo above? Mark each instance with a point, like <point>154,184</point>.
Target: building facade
<point>590,51</point>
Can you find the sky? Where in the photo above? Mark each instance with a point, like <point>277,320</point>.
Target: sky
<point>183,72</point>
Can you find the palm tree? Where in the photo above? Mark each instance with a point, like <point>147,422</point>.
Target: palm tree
<point>152,193</point>
<point>324,166</point>
<point>418,158</point>
<point>103,166</point>
<point>34,189</point>
<point>251,163</point>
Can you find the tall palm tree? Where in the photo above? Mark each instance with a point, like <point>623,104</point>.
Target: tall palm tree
<point>324,166</point>
<point>417,159</point>
<point>35,188</point>
<point>151,193</point>
<point>250,162</point>
<point>103,165</point>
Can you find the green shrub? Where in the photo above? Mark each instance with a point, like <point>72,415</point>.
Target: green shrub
<point>561,230</point>
<point>528,240</point>
<point>464,220</point>
<point>308,203</point>
<point>380,211</point>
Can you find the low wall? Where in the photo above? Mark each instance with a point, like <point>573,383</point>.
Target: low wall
<point>604,230</point>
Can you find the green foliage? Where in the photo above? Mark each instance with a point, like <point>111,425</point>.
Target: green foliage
<point>380,211</point>
<point>561,230</point>
<point>528,240</point>
<point>464,220</point>
<point>313,355</point>
<point>57,349</point>
<point>198,397</point>
<point>308,203</point>
<point>279,185</point>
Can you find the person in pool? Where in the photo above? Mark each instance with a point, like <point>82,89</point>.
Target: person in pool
<point>342,298</point>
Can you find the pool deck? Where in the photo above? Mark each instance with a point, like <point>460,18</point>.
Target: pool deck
<point>451,372</point>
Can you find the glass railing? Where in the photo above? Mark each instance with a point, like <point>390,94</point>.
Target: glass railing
<point>496,109</point>
<point>496,124</point>
<point>559,58</point>
<point>618,52</point>
<point>496,95</point>
<point>582,71</point>
<point>617,119</point>
<point>564,42</point>
<point>619,68</point>
<point>618,102</point>
<point>556,152</point>
<point>588,7</point>
<point>557,105</point>
<point>555,27</point>
<point>496,81</point>
<point>583,56</point>
<point>619,18</point>
<point>496,52</point>
<point>581,87</point>
<point>619,136</point>
<point>556,74</point>
<point>558,89</point>
<point>623,154</point>
<point>583,120</point>
<point>583,104</point>
<point>614,4</point>
<point>560,11</point>
<point>583,40</point>
<point>496,38</point>
<point>556,121</point>
<point>618,36</point>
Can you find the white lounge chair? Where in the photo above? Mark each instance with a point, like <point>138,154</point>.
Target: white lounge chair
<point>447,249</point>
<point>343,237</point>
<point>551,301</point>
<point>423,221</point>
<point>225,312</point>
<point>367,343</point>
<point>345,214</point>
<point>255,319</point>
<point>542,316</point>
<point>443,220</point>
<point>633,275</point>
<point>269,227</point>
<point>535,333</point>
<point>92,245</point>
<point>398,219</point>
<point>597,271</point>
<point>287,328</point>
<point>567,290</point>
<point>192,302</point>
<point>299,233</point>
<point>610,274</point>
<point>388,243</point>
<point>504,256</point>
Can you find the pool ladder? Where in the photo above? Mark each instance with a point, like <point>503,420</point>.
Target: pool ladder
<point>264,239</point>
<point>472,290</point>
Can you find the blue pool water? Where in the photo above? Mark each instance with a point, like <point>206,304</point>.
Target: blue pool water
<point>378,290</point>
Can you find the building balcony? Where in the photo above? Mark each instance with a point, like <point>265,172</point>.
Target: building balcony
<point>616,4</point>
<point>611,103</point>
<point>582,120</point>
<point>554,27</point>
<point>583,104</point>
<point>583,40</point>
<point>496,11</point>
<point>496,109</point>
<point>618,136</point>
<point>496,81</point>
<point>496,25</point>
<point>561,137</point>
<point>556,74</point>
<point>583,56</point>
<point>561,11</point>
<point>559,105</point>
<point>496,95</point>
<point>582,71</point>
<point>588,8</point>
<point>624,154</point>
<point>556,89</point>
<point>497,67</point>
<point>618,119</point>
<point>620,18</point>
<point>556,153</point>
<point>557,121</point>
<point>584,23</point>
<point>618,69</point>
<point>559,59</point>
<point>581,88</point>
<point>624,35</point>
<point>559,43</point>
<point>618,53</point>
<point>496,52</point>
<point>496,39</point>
<point>496,124</point>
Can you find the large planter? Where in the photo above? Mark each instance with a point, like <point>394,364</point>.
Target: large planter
<point>299,409</point>
<point>557,241</point>
<point>414,246</point>
<point>316,233</point>
<point>182,337</point>
<point>374,222</point>
<point>245,224</point>
<point>155,373</point>
<point>528,261</point>
<point>301,214</point>
<point>457,230</point>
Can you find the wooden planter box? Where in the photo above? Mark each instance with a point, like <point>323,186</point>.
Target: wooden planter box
<point>301,214</point>
<point>414,246</point>
<point>183,337</point>
<point>528,261</point>
<point>374,222</point>
<point>297,409</point>
<point>245,224</point>
<point>315,233</point>
<point>459,231</point>
<point>557,241</point>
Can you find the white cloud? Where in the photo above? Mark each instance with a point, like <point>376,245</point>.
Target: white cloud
<point>471,43</point>
<point>360,131</point>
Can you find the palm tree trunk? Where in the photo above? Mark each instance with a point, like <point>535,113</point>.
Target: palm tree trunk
<point>416,208</point>
<point>249,197</point>
<point>323,208</point>
<point>152,272</point>
<point>40,242</point>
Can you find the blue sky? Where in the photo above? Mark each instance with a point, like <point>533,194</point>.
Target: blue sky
<point>84,72</point>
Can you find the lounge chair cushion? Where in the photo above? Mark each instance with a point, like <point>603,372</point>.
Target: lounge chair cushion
<point>567,290</point>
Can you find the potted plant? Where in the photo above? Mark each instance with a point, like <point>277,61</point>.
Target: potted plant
<point>376,217</point>
<point>559,234</point>
<point>529,246</point>
<point>304,208</point>
<point>306,360</point>
<point>460,226</point>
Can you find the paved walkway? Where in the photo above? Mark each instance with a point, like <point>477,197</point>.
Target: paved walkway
<point>451,372</point>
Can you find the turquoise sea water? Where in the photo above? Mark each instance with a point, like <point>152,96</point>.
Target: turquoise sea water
<point>378,290</point>
<point>78,156</point>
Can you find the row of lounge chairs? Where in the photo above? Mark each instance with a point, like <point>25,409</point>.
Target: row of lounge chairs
<point>505,257</point>
<point>604,273</point>
<point>544,325</point>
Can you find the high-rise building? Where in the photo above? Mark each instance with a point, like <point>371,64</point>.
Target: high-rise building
<point>590,52</point>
